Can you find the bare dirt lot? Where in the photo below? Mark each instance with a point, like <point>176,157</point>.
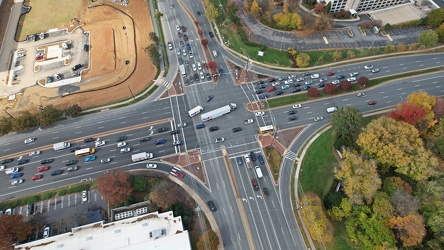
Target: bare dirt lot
<point>118,61</point>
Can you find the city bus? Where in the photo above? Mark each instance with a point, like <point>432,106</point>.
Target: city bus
<point>85,151</point>
<point>266,129</point>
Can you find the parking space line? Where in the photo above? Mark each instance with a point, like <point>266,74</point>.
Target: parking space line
<point>49,204</point>
<point>62,202</point>
<point>55,203</point>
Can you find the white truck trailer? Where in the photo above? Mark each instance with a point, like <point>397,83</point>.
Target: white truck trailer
<point>61,145</point>
<point>141,156</point>
<point>218,112</point>
<point>182,70</point>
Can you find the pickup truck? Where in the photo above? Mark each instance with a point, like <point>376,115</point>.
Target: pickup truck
<point>248,121</point>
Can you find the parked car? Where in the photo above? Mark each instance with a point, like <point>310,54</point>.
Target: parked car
<point>295,90</point>
<point>84,196</point>
<point>237,129</point>
<point>260,158</point>
<point>260,113</point>
<point>263,96</point>
<point>220,139</point>
<point>339,77</point>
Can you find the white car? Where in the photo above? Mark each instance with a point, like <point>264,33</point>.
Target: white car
<point>183,125</point>
<point>214,53</point>
<point>2,168</point>
<point>121,144</point>
<point>275,84</point>
<point>247,160</point>
<point>190,54</point>
<point>21,54</point>
<point>106,160</point>
<point>288,81</point>
<point>199,66</point>
<point>221,139</point>
<point>177,27</point>
<point>46,232</point>
<point>260,113</point>
<point>84,196</point>
<point>297,106</point>
<point>360,94</point>
<point>15,182</point>
<point>351,79</point>
<point>319,118</point>
<point>34,153</point>
<point>151,165</point>
<point>202,76</point>
<point>125,150</point>
<point>194,67</point>
<point>29,140</point>
<point>353,74</point>
<point>314,76</point>
<point>100,143</point>
<point>368,66</point>
<point>336,82</point>
<point>248,121</point>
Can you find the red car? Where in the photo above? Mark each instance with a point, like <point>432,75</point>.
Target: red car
<point>177,173</point>
<point>36,177</point>
<point>330,73</point>
<point>254,183</point>
<point>271,89</point>
<point>38,58</point>
<point>371,102</point>
<point>41,169</point>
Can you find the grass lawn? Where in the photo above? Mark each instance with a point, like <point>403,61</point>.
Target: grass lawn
<point>317,166</point>
<point>340,237</point>
<point>48,14</point>
<point>274,159</point>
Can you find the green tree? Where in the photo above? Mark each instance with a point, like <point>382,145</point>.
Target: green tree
<point>5,125</point>
<point>303,59</point>
<point>435,18</point>
<point>73,111</point>
<point>289,20</point>
<point>13,229</point>
<point>389,48</point>
<point>367,230</point>
<point>212,12</point>
<point>255,9</point>
<point>397,144</point>
<point>208,241</point>
<point>346,121</point>
<point>382,206</point>
<point>359,177</point>
<point>428,39</point>
<point>154,38</point>
<point>440,33</point>
<point>341,212</point>
<point>25,121</point>
<point>185,212</point>
<point>48,116</point>
<point>140,183</point>
<point>316,219</point>
<point>232,9</point>
<point>337,55</point>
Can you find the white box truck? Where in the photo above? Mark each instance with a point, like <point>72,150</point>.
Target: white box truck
<point>196,110</point>
<point>61,145</point>
<point>182,70</point>
<point>218,112</point>
<point>258,172</point>
<point>141,156</point>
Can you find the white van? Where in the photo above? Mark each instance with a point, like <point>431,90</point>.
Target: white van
<point>258,172</point>
<point>332,109</point>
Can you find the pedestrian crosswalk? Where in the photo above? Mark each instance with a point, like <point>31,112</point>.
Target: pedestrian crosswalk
<point>290,155</point>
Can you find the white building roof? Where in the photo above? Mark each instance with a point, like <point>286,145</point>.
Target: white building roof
<point>148,231</point>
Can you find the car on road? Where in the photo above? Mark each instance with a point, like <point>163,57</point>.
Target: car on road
<point>177,27</point>
<point>71,162</point>
<point>181,125</point>
<point>36,177</point>
<point>159,141</point>
<point>151,165</point>
<point>291,112</point>
<point>16,170</point>
<point>248,121</point>
<point>265,191</point>
<point>177,173</point>
<point>89,140</point>
<point>178,51</point>
<point>179,34</point>
<point>254,183</point>
<point>161,130</point>
<point>121,138</point>
<point>331,73</point>
<point>375,70</point>
<point>34,153</point>
<point>209,98</point>
<point>180,61</point>
<point>339,77</point>
<point>253,156</point>
<point>15,175</point>
<point>100,143</point>
<point>56,172</point>
<point>360,94</point>
<point>308,82</point>
<point>174,132</point>
<point>247,160</point>
<point>183,29</point>
<point>260,158</point>
<point>318,118</point>
<point>177,143</point>
<point>170,46</point>
<point>121,144</point>
<point>188,47</point>
<point>185,38</point>
<point>41,169</point>
<point>211,34</point>
<point>237,129</point>
<point>306,74</point>
<point>17,181</point>
<point>335,82</point>
<point>21,162</point>
<point>214,128</point>
<point>212,206</point>
<point>351,79</point>
<point>89,158</point>
<point>371,102</point>
<point>353,74</point>
<point>220,139</point>
<point>29,140</point>
<point>263,96</point>
<point>295,90</point>
<point>193,66</point>
<point>260,113</point>
<point>84,195</point>
<point>46,232</point>
<point>368,66</point>
<point>323,79</point>
<point>106,160</point>
<point>6,161</point>
<point>214,53</point>
<point>46,161</point>
<point>125,150</point>
<point>297,106</point>
<point>72,169</point>
<point>144,139</point>
<point>292,118</point>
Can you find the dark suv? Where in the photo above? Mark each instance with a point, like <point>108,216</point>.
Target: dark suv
<point>237,129</point>
<point>145,139</point>
<point>46,161</point>
<point>57,172</point>
<point>215,128</point>
<point>23,161</point>
<point>71,162</point>
<point>88,140</point>
<point>252,156</point>
<point>6,161</point>
<point>177,131</point>
<point>212,206</point>
<point>164,129</point>
<point>76,67</point>
<point>30,209</point>
<point>122,138</point>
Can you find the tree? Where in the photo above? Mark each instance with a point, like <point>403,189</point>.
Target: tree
<point>319,7</point>
<point>115,186</point>
<point>428,39</point>
<point>289,20</point>
<point>400,47</point>
<point>140,183</point>
<point>73,111</point>
<point>337,55</point>
<point>5,125</point>
<point>394,184</point>
<point>25,121</point>
<point>154,38</point>
<point>322,22</point>
<point>212,65</point>
<point>48,116</point>
<point>382,206</point>
<point>367,230</point>
<point>409,229</point>
<point>363,81</point>
<point>13,229</point>
<point>345,85</point>
<point>426,101</point>
<point>389,48</point>
<point>212,12</point>
<point>200,32</point>
<point>204,42</point>
<point>303,59</point>
<point>438,108</point>
<point>359,177</point>
<point>316,219</point>
<point>397,144</point>
<point>435,18</point>
<point>346,121</point>
<point>158,14</point>
<point>341,212</point>
<point>255,9</point>
<point>231,10</point>
<point>330,88</point>
<point>164,194</point>
<point>313,92</point>
<point>408,112</point>
<point>404,203</point>
<point>431,194</point>
<point>440,33</point>
<point>208,241</point>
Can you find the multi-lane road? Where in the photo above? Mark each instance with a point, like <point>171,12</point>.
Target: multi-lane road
<point>269,221</point>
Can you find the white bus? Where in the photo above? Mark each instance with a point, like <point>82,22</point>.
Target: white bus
<point>266,129</point>
<point>195,111</point>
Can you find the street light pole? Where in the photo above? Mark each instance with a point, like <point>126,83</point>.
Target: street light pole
<point>131,91</point>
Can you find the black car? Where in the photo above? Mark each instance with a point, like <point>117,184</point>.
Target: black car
<point>306,74</point>
<point>30,209</point>
<point>278,92</point>
<point>266,193</point>
<point>239,161</point>
<point>321,85</point>
<point>86,47</point>
<point>221,71</point>
<point>209,98</point>
<point>212,206</point>
<point>292,118</point>
<point>46,161</point>
<point>252,156</point>
<point>180,61</point>
<point>72,150</point>
<point>57,172</point>
<point>175,132</point>
<point>185,38</point>
<point>76,67</point>
<point>296,85</point>
<point>122,138</point>
<point>6,161</point>
<point>259,91</point>
<point>237,129</point>
<point>291,112</point>
<point>164,129</point>
<point>196,77</point>
<point>295,90</point>
<point>211,34</point>
<point>23,161</point>
<point>89,140</point>
<point>208,76</point>
<point>199,13</point>
<point>71,162</point>
<point>262,86</point>
<point>145,139</point>
<point>215,128</point>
